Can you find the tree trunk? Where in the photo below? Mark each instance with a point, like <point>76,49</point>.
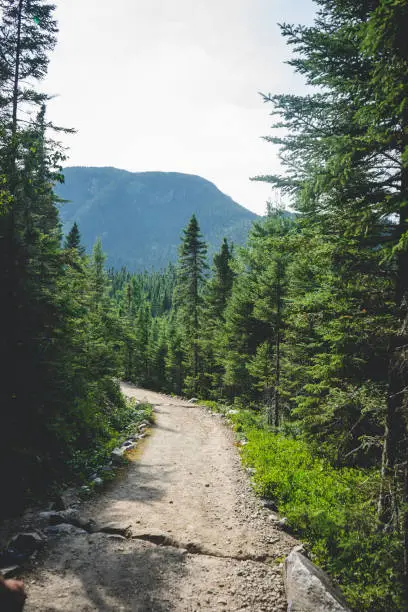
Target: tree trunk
<point>276,399</point>
<point>11,307</point>
<point>17,68</point>
<point>405,529</point>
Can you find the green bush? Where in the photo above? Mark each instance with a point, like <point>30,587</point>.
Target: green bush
<point>333,510</point>
<point>98,432</point>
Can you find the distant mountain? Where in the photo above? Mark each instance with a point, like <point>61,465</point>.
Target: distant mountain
<point>139,216</point>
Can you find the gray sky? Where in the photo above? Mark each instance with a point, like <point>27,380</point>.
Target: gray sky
<point>173,85</point>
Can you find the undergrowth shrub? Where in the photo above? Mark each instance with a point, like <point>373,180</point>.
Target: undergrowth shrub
<point>107,429</point>
<point>333,510</point>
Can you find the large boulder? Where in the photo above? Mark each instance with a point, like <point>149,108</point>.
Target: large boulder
<point>309,589</point>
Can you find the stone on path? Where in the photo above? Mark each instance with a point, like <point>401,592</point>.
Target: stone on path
<point>116,529</point>
<point>308,588</point>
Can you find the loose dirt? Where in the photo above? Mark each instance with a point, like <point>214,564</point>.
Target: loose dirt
<point>200,539</point>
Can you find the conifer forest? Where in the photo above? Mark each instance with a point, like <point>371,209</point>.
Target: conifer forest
<point>303,332</point>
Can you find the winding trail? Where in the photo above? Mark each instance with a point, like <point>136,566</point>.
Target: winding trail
<point>200,539</point>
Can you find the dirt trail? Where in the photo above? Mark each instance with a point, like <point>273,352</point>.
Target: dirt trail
<point>200,540</point>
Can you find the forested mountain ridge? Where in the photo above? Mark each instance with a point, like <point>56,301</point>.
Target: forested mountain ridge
<point>138,215</point>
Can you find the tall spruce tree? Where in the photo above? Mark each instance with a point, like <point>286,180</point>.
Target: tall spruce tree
<point>30,266</point>
<point>217,293</point>
<point>219,287</point>
<point>188,295</point>
<point>345,155</point>
<point>73,240</point>
<point>27,35</point>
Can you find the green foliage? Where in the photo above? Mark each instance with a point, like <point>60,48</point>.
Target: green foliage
<point>334,510</point>
<point>344,156</point>
<point>90,447</point>
<point>188,300</point>
<point>73,240</point>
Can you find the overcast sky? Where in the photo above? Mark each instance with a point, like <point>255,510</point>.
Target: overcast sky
<point>173,85</point>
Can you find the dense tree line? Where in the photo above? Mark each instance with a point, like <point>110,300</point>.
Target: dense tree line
<point>59,396</point>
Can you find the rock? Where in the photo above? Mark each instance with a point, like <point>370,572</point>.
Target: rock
<point>9,572</point>
<point>268,503</point>
<point>107,468</point>
<point>26,543</point>
<point>85,524</point>
<point>283,523</point>
<point>142,427</point>
<point>49,516</point>
<point>273,517</point>
<point>56,518</point>
<point>97,481</point>
<point>67,499</point>
<point>308,588</point>
<point>127,446</point>
<point>116,529</point>
<point>299,549</point>
<point>117,455</point>
<point>193,400</point>
<point>64,529</point>
<point>154,536</point>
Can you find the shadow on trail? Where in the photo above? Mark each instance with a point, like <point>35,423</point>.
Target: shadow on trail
<point>136,483</point>
<point>100,573</point>
<point>136,579</point>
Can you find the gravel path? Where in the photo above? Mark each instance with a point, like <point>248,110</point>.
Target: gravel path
<point>200,539</point>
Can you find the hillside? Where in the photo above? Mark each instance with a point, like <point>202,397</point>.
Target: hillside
<point>140,215</point>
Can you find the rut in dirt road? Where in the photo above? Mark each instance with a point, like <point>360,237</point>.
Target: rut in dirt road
<point>200,540</point>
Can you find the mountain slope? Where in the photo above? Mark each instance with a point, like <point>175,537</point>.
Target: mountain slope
<point>140,216</point>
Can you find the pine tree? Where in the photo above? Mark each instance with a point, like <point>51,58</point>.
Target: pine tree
<point>217,293</point>
<point>346,159</point>
<point>73,240</point>
<point>31,267</point>
<point>255,315</point>
<point>175,358</point>
<point>188,295</point>
<point>27,35</point>
<point>219,287</point>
